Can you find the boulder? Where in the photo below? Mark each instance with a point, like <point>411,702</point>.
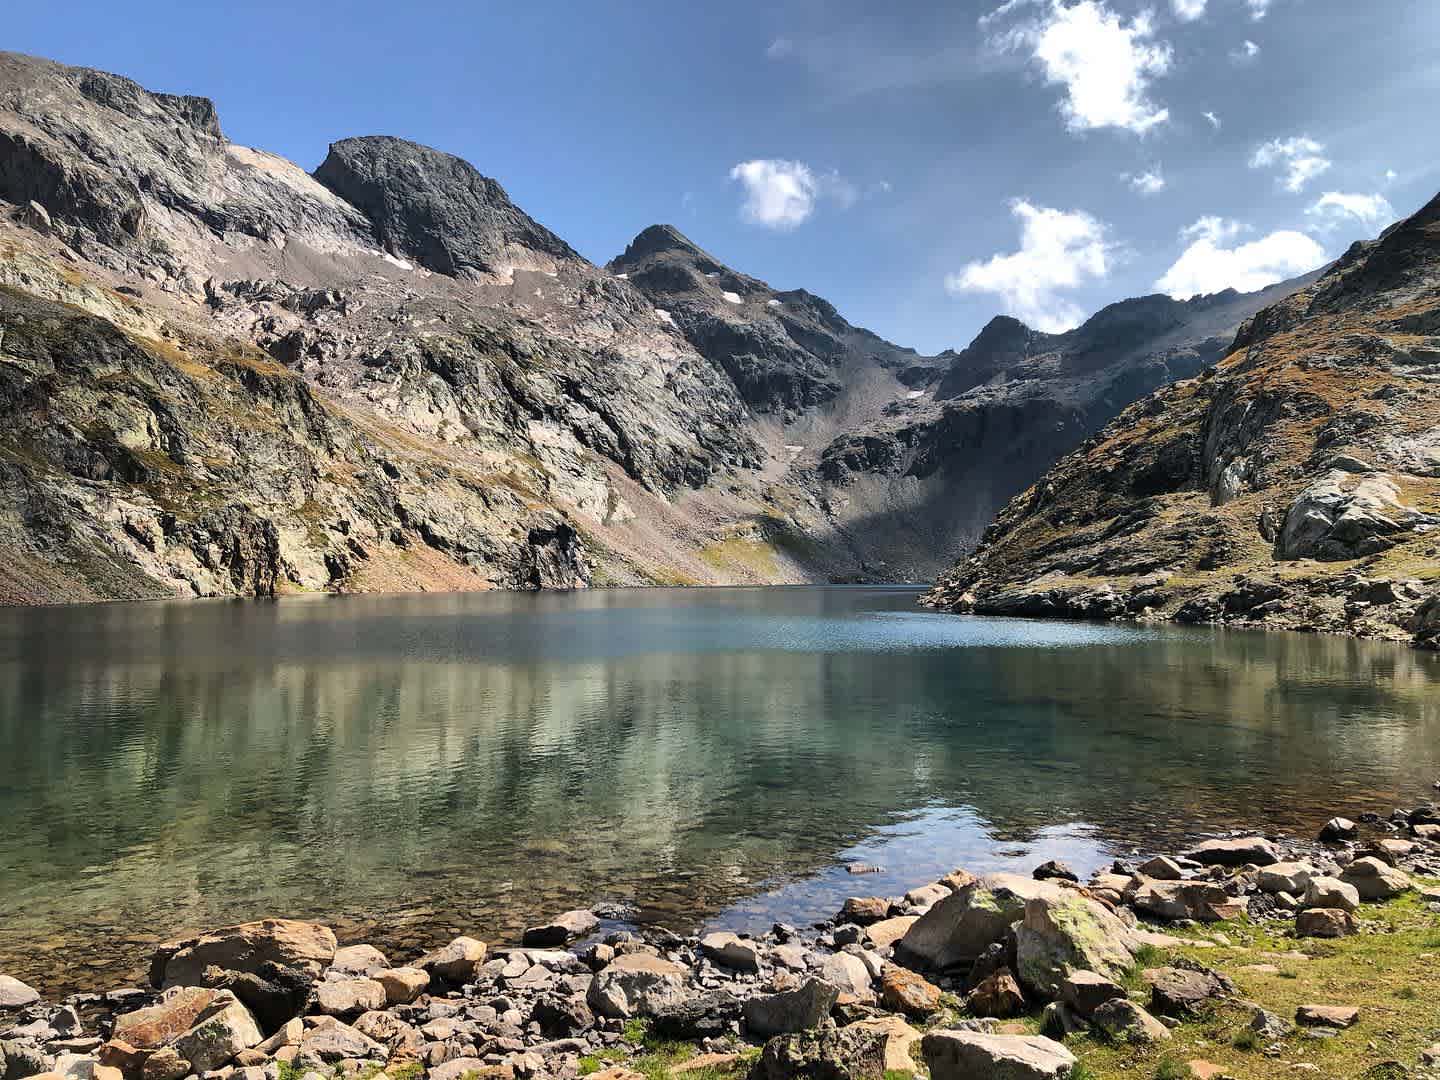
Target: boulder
<point>455,963</point>
<point>1162,868</point>
<point>864,910</point>
<point>731,950</point>
<point>561,930</point>
<point>174,1014</point>
<point>828,1053</point>
<point>998,996</point>
<point>1286,877</point>
<point>973,1055</point>
<point>848,974</point>
<point>1070,932</point>
<point>1121,1018</point>
<point>1374,880</point>
<point>954,932</point>
<point>1390,851</point>
<point>165,1064</point>
<point>1086,991</point>
<point>221,1030</point>
<point>248,947</point>
<point>1325,923</point>
<point>1328,892</point>
<point>349,997</point>
<point>562,1017</point>
<point>902,990</point>
<point>636,984</point>
<point>19,1060</point>
<point>1335,1016</point>
<point>402,985</point>
<point>1054,870</point>
<point>1203,901</point>
<point>1339,829</point>
<point>330,1041</point>
<point>386,1029</point>
<point>358,960</point>
<point>887,932</point>
<point>790,1010</point>
<point>14,994</point>
<point>899,1038</point>
<point>1186,992</point>
<point>1268,1026</point>
<point>704,1016</point>
<point>274,994</point>
<point>920,900</point>
<point>1249,849</point>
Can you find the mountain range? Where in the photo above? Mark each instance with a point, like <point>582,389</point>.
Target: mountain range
<point>223,375</point>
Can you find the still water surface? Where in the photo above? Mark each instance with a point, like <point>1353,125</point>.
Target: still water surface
<point>410,767</point>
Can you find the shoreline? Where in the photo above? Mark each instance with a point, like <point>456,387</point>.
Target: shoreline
<point>958,964</point>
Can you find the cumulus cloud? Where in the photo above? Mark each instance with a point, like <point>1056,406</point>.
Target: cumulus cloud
<point>783,194</point>
<point>1334,207</point>
<point>1188,10</point>
<point>1299,159</point>
<point>1150,182</point>
<point>1245,52</point>
<point>778,194</point>
<point>1214,120</point>
<point>1258,8</point>
<point>1105,63</point>
<point>1058,250</point>
<point>1213,260</point>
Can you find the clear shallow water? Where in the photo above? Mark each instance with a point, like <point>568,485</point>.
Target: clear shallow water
<point>411,767</point>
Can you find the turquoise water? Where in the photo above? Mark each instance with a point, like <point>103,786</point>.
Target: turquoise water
<point>408,767</point>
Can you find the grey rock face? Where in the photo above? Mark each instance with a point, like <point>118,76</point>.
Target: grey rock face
<point>434,207</point>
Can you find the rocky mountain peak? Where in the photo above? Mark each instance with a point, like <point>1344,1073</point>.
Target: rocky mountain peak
<point>434,207</point>
<point>657,239</point>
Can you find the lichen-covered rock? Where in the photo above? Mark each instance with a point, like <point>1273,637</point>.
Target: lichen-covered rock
<point>221,1031</point>
<point>1068,933</point>
<point>156,1025</point>
<point>850,1053</point>
<point>956,930</point>
<point>1121,1018</point>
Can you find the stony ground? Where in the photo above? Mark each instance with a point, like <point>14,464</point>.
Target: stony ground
<point>1245,957</point>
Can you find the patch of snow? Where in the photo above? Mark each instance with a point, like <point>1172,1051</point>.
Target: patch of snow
<point>665,316</point>
<point>732,298</point>
<point>713,276</point>
<point>793,448</point>
<point>551,273</point>
<point>773,303</point>
<point>913,394</point>
<point>393,261</point>
<point>622,277</point>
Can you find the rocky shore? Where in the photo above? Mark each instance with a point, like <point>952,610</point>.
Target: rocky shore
<point>1002,976</point>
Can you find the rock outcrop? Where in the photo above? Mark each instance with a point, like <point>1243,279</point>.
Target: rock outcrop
<point>1295,485</point>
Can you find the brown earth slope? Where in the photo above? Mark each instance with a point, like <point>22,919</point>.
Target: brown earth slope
<point>1297,485</point>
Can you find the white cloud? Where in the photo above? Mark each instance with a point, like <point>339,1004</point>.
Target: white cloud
<point>1391,176</point>
<point>1105,64</point>
<point>1301,160</point>
<point>1150,182</point>
<point>1332,208</point>
<point>1258,8</point>
<point>1214,120</point>
<point>780,48</point>
<point>1245,52</point>
<point>783,194</point>
<point>1188,10</point>
<point>1208,265</point>
<point>778,194</point>
<point>1058,250</point>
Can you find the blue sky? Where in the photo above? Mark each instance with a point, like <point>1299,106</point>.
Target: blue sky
<point>923,166</point>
